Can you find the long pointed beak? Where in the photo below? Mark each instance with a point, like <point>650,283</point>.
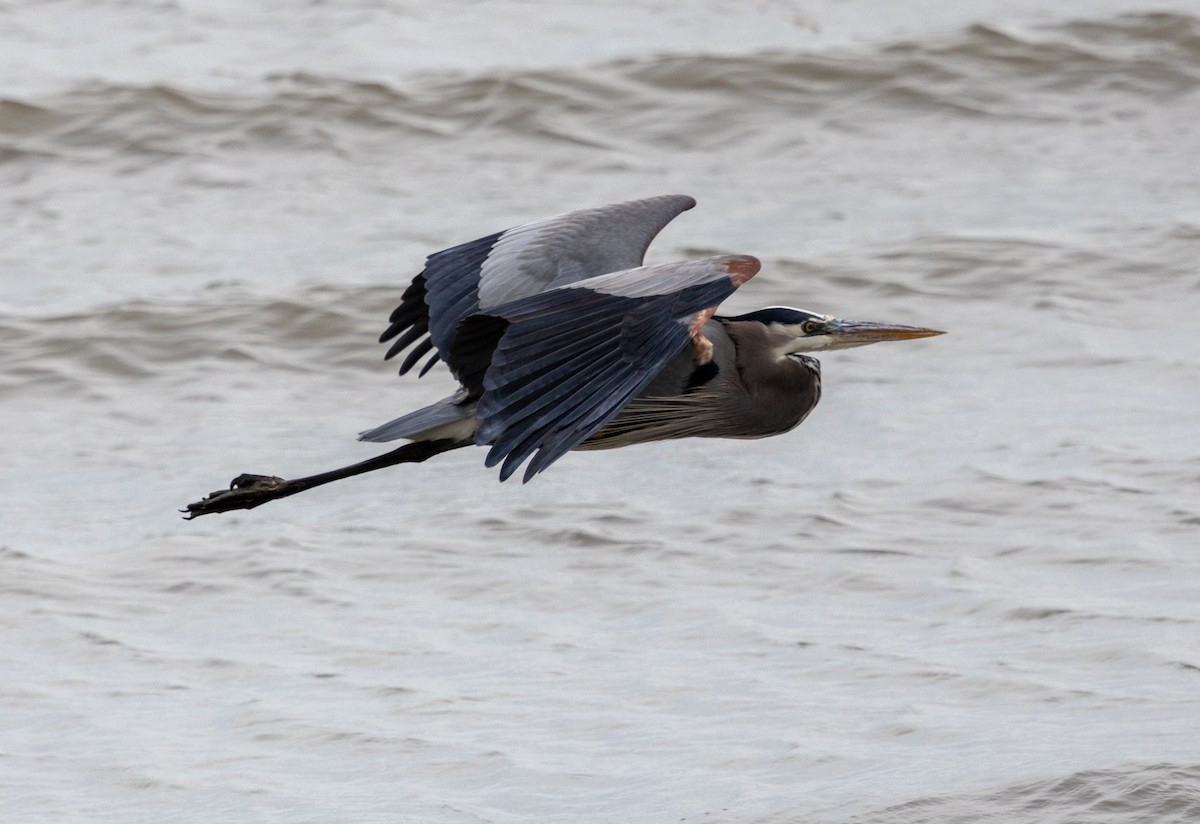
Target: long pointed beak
<point>846,333</point>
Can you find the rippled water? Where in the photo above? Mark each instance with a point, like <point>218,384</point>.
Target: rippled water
<point>965,590</point>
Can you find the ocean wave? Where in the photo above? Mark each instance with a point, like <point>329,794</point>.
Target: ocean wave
<point>982,71</point>
<point>1160,792</point>
<point>318,329</point>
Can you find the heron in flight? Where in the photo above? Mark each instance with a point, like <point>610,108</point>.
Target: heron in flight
<point>561,339</point>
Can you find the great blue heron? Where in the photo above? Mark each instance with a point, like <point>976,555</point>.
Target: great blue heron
<point>561,339</point>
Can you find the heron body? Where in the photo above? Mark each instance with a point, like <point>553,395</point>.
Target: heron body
<point>560,339</point>
<point>752,397</point>
<point>755,399</point>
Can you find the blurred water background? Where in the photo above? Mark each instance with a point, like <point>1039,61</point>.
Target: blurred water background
<point>965,590</point>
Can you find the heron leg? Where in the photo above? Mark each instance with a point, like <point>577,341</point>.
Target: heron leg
<point>247,491</point>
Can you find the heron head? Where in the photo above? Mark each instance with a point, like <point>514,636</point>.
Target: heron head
<point>798,330</point>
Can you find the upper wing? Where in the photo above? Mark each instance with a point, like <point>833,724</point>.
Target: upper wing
<point>569,359</point>
<point>520,262</point>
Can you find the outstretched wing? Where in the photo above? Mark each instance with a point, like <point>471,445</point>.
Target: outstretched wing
<point>520,262</point>
<point>569,359</point>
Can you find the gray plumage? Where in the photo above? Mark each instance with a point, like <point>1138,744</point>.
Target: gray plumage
<point>754,398</point>
<point>561,339</point>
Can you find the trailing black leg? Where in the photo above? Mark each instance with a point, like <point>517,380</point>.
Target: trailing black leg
<point>249,491</point>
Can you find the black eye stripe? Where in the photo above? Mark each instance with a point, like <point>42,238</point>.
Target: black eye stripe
<point>779,314</point>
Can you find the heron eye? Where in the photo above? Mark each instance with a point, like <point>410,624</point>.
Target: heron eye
<point>809,327</point>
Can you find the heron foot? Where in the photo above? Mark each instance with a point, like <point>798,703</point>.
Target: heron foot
<point>245,492</point>
<point>247,481</point>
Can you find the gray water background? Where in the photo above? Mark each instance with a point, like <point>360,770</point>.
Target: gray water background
<point>965,590</point>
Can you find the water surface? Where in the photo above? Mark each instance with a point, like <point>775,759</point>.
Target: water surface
<point>963,590</point>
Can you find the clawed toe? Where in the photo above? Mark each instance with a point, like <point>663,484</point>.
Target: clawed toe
<point>245,481</point>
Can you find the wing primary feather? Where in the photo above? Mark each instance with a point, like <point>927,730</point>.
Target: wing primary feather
<point>515,359</point>
<point>497,406</point>
<point>411,309</point>
<point>514,459</point>
<point>564,440</point>
<point>532,436</point>
<point>444,292</point>
<point>560,430</point>
<point>412,306</point>
<point>550,383</point>
<point>398,327</point>
<point>521,347</point>
<point>403,342</point>
<point>443,325</point>
<point>415,355</point>
<point>434,358</point>
<point>503,424</point>
<point>528,432</point>
<point>530,360</point>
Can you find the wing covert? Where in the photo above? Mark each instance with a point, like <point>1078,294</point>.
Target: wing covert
<point>518,263</point>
